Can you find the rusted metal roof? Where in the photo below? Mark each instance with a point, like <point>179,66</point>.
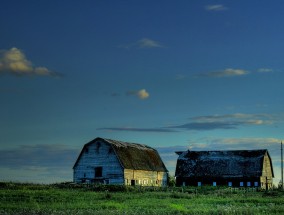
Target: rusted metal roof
<point>237,163</point>
<point>133,155</point>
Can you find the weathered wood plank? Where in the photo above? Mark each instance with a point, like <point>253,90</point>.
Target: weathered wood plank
<point>145,178</point>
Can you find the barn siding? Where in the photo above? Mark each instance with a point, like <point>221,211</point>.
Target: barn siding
<point>220,181</point>
<point>99,154</point>
<point>267,175</point>
<point>145,178</point>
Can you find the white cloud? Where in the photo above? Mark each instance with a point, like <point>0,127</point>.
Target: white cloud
<point>227,121</point>
<point>141,94</point>
<point>242,118</point>
<point>226,73</point>
<point>14,61</point>
<point>245,143</point>
<point>148,43</point>
<point>216,7</point>
<point>265,70</point>
<point>144,43</point>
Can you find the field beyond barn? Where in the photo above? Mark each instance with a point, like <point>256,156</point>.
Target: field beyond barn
<point>18,198</point>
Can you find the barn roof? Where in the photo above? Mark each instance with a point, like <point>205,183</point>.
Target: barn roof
<point>237,163</point>
<point>133,155</point>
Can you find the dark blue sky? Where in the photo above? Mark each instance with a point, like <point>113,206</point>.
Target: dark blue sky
<point>170,74</point>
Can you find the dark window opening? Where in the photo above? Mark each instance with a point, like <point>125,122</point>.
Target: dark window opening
<point>132,182</point>
<point>98,172</point>
<point>98,147</point>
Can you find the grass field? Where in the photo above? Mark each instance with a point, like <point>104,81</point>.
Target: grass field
<point>73,199</point>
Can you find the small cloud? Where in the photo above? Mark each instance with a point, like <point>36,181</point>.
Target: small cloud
<point>203,126</point>
<point>225,73</point>
<point>144,43</point>
<point>264,70</point>
<point>216,7</point>
<point>141,94</point>
<point>227,121</point>
<point>180,77</point>
<point>14,62</point>
<point>159,130</point>
<point>148,43</point>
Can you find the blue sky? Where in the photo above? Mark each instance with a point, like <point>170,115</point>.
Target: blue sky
<point>175,75</point>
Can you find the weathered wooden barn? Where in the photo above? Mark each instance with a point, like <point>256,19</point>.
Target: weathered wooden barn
<point>109,161</point>
<point>239,168</point>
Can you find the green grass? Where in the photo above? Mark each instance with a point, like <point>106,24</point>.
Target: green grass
<point>74,199</point>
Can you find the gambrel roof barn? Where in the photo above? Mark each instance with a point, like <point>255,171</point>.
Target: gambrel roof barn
<point>233,168</point>
<point>116,162</point>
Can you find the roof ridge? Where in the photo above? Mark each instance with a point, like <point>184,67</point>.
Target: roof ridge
<point>119,143</point>
<point>235,150</point>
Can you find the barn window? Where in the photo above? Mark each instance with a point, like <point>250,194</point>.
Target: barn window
<point>230,184</point>
<point>256,184</point>
<point>248,184</point>
<point>98,172</point>
<point>199,184</point>
<point>241,184</point>
<point>98,147</point>
<point>214,183</point>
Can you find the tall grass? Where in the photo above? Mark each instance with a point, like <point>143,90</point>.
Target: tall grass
<point>69,198</point>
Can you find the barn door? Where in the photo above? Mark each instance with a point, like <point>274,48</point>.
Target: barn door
<point>98,172</point>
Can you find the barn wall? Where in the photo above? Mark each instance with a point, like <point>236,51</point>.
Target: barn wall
<point>98,154</point>
<point>266,178</point>
<point>219,181</point>
<point>145,178</point>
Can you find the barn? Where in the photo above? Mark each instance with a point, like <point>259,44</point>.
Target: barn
<point>238,168</point>
<point>106,161</point>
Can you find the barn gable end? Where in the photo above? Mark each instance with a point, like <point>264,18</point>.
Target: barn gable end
<point>98,163</point>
